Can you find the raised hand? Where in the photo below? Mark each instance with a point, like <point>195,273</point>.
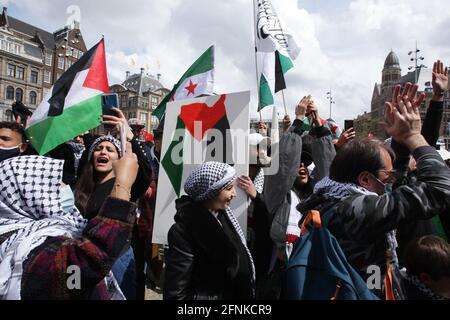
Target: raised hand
<point>314,112</point>
<point>404,123</point>
<point>286,122</point>
<point>246,184</point>
<point>345,137</point>
<point>112,120</point>
<point>440,79</point>
<point>300,110</point>
<point>262,128</point>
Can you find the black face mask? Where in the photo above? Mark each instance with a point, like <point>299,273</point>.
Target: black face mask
<point>6,153</point>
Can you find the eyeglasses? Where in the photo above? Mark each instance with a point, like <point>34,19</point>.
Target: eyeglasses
<point>390,174</point>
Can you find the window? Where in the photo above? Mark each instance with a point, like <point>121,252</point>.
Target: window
<point>132,115</point>
<point>19,94</point>
<point>15,48</point>
<point>123,101</point>
<point>68,64</point>
<point>10,93</point>
<point>75,53</point>
<point>11,70</point>
<point>9,116</point>
<point>154,102</point>
<point>33,97</point>
<point>48,59</point>
<point>47,76</point>
<point>20,72</point>
<point>143,117</point>
<point>4,43</point>
<point>34,76</point>
<point>61,63</point>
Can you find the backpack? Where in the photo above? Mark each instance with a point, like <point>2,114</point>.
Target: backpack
<point>318,269</point>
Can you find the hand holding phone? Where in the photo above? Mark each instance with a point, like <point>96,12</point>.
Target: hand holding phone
<point>348,124</point>
<point>123,137</point>
<point>109,101</point>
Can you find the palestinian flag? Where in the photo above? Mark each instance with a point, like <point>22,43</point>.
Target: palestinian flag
<point>196,81</point>
<point>196,120</point>
<point>73,105</point>
<point>272,77</point>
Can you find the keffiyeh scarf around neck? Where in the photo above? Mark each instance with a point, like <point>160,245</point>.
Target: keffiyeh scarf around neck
<point>30,209</point>
<point>339,191</point>
<point>206,182</point>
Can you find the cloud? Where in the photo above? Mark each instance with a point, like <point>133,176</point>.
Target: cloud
<point>344,43</point>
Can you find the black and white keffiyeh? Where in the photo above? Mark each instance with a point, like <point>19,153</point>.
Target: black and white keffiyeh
<point>338,190</point>
<point>206,182</point>
<point>101,139</point>
<point>31,208</point>
<point>415,281</point>
<point>259,181</point>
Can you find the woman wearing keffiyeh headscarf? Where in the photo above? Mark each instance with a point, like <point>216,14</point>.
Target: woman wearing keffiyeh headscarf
<point>43,236</point>
<point>96,182</point>
<point>208,258</point>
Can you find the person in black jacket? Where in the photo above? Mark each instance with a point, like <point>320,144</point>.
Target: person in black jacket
<point>427,274</point>
<point>430,130</point>
<point>365,216</point>
<point>208,258</point>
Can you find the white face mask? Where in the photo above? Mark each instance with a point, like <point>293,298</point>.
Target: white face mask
<point>67,199</point>
<point>387,186</point>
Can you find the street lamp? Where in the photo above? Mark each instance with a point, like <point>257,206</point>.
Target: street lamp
<point>330,97</point>
<point>414,58</point>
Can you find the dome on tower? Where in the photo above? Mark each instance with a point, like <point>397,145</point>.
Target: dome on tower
<point>391,61</point>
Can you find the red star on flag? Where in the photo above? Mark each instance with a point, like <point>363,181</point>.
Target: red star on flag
<point>191,88</point>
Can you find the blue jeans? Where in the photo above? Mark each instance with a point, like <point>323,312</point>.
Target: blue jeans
<point>124,270</point>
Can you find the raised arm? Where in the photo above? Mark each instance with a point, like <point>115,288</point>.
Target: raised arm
<point>433,118</point>
<point>46,272</point>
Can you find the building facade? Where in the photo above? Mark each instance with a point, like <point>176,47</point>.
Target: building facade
<point>32,59</point>
<point>391,76</point>
<point>139,95</point>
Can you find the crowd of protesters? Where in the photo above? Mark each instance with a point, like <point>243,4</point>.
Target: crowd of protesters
<point>90,204</point>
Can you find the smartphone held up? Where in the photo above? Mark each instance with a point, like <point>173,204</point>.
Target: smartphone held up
<point>109,101</point>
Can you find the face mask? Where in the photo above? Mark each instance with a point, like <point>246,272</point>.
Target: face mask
<point>387,186</point>
<point>67,199</point>
<point>7,153</point>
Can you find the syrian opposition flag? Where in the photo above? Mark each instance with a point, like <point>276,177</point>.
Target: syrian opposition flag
<point>195,120</point>
<point>330,124</point>
<point>334,128</point>
<point>196,81</point>
<point>272,78</point>
<point>197,130</point>
<point>73,105</point>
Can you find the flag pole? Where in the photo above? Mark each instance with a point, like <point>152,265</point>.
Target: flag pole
<point>256,59</point>
<point>284,103</point>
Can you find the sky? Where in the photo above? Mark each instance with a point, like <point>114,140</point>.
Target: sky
<point>343,43</point>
